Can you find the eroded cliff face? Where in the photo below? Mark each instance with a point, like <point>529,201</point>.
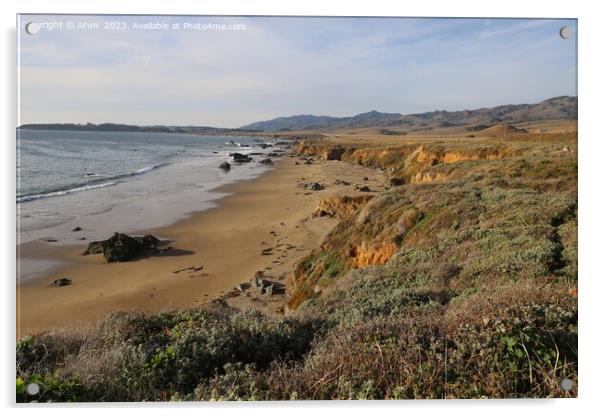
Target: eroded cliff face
<point>325,151</point>
<point>435,156</point>
<point>316,272</point>
<point>370,231</point>
<point>374,228</point>
<point>364,156</point>
<point>341,206</point>
<point>427,176</point>
<point>368,255</point>
<point>409,163</point>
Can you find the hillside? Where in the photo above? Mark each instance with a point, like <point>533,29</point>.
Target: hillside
<point>551,109</point>
<point>558,108</point>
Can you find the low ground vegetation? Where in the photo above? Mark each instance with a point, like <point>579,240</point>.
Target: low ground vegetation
<point>462,285</point>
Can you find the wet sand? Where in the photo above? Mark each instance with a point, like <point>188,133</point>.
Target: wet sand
<point>227,241</point>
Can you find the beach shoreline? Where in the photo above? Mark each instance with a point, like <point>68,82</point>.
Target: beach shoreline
<point>272,211</point>
<point>129,183</point>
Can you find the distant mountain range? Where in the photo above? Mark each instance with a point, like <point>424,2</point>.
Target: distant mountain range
<point>564,107</point>
<point>554,108</point>
<point>132,128</point>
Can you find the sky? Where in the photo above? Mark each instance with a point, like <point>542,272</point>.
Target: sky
<point>231,71</point>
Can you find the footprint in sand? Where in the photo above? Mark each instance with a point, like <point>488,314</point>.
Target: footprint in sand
<point>193,276</point>
<point>191,269</point>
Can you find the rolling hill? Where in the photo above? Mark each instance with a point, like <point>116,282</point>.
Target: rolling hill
<point>554,108</point>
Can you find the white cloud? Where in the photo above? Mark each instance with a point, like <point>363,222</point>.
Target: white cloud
<point>285,66</point>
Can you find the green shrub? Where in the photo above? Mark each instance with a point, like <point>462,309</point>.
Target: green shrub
<point>159,355</point>
<point>52,389</point>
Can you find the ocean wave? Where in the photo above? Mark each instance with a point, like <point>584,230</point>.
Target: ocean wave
<point>123,175</point>
<point>237,144</point>
<point>102,182</point>
<point>146,169</point>
<point>33,197</point>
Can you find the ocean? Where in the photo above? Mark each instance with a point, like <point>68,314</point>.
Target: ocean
<point>104,182</point>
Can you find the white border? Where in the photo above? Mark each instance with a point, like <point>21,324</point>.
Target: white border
<point>590,151</point>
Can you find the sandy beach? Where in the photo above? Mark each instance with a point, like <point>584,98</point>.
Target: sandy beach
<point>271,211</point>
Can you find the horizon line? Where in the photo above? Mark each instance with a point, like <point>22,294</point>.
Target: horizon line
<point>285,116</point>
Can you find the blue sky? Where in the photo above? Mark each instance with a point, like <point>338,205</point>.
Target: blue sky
<point>285,66</point>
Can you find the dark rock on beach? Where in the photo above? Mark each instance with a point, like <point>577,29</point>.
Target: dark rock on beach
<point>240,158</point>
<point>149,241</point>
<point>396,181</point>
<point>257,280</point>
<point>269,290</point>
<point>266,162</point>
<point>122,247</point>
<point>61,282</point>
<point>315,186</point>
<point>95,247</point>
<point>334,153</point>
<point>225,166</point>
<point>265,145</point>
<point>77,229</point>
<point>261,286</point>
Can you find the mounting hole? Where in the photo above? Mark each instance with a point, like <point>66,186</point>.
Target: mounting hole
<point>566,384</point>
<point>32,28</point>
<point>32,389</point>
<point>565,32</point>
